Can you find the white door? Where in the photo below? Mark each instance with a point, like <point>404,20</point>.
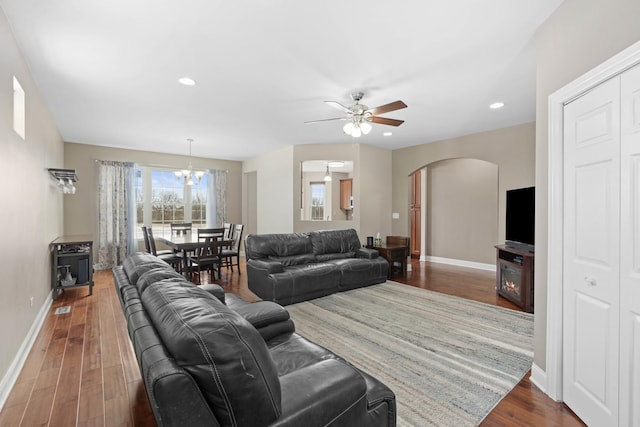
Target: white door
<point>630,250</point>
<point>592,254</point>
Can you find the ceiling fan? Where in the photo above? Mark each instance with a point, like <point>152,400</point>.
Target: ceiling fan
<point>359,115</point>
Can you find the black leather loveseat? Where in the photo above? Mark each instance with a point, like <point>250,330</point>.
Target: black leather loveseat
<point>294,267</point>
<point>211,359</point>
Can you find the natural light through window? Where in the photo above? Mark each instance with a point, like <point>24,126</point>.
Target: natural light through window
<point>18,108</point>
<point>317,201</point>
<point>161,200</point>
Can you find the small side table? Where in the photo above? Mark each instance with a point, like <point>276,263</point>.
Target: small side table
<point>72,254</point>
<point>393,253</point>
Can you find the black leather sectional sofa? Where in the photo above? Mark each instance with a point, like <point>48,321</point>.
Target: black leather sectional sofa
<point>211,359</point>
<point>293,267</point>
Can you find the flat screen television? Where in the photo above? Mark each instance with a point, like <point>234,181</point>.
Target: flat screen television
<point>521,207</point>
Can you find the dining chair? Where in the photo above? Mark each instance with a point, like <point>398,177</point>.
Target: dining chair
<point>207,256</point>
<point>147,244</point>
<point>234,251</point>
<point>178,228</point>
<point>173,259</point>
<point>227,230</point>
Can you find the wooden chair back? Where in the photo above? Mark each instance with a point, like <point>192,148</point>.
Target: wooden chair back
<point>207,236</point>
<point>178,228</point>
<point>228,230</point>
<point>145,235</point>
<point>152,241</point>
<point>236,236</point>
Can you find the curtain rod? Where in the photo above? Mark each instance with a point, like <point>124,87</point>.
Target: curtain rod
<point>152,165</point>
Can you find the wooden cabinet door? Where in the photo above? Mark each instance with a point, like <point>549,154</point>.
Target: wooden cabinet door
<point>346,191</point>
<point>415,214</point>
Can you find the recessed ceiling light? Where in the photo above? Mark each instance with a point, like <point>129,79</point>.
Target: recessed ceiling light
<point>187,81</point>
<point>496,105</point>
<point>387,133</point>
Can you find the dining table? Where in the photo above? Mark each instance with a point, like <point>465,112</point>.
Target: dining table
<point>188,242</point>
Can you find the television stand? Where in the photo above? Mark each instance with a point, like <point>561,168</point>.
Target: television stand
<point>514,276</point>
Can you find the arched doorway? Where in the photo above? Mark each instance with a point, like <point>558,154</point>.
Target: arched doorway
<point>457,215</point>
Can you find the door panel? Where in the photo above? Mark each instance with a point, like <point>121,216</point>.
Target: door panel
<point>591,254</point>
<point>593,184</point>
<point>590,372</point>
<point>630,250</point>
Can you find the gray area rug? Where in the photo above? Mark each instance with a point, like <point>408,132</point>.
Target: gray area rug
<point>448,360</point>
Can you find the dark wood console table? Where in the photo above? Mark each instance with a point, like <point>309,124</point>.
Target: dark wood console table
<point>393,254</point>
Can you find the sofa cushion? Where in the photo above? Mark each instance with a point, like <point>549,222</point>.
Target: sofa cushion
<point>334,241</point>
<point>139,263</point>
<point>224,354</point>
<point>294,259</point>
<point>357,272</point>
<point>157,274</point>
<point>277,245</point>
<point>335,255</point>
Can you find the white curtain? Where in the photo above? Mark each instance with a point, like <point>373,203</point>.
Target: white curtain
<point>116,213</point>
<point>217,198</point>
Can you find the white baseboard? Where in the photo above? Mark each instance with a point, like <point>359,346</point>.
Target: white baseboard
<point>11,376</point>
<point>539,378</point>
<point>459,263</point>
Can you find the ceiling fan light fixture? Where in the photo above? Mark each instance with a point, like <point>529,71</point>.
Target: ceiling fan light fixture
<point>366,128</point>
<point>348,128</point>
<point>356,132</point>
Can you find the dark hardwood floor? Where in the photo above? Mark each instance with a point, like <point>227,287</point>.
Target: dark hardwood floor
<point>82,370</point>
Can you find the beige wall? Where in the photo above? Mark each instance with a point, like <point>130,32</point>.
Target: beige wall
<point>375,186</point>
<point>512,149</point>
<point>81,209</point>
<point>272,205</point>
<point>578,36</point>
<point>278,200</point>
<point>31,212</point>
<point>462,210</point>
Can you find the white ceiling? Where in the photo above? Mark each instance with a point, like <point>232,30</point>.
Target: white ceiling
<point>108,69</point>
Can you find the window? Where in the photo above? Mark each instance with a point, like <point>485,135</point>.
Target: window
<point>18,108</point>
<point>317,201</point>
<point>162,199</point>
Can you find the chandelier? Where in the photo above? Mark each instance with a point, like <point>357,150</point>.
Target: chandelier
<point>188,174</point>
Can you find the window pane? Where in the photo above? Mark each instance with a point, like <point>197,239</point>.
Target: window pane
<point>169,201</point>
<point>199,193</point>
<point>317,201</point>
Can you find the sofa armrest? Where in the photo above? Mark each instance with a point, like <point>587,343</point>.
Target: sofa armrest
<point>269,318</point>
<point>266,266</point>
<point>215,290</point>
<point>367,253</point>
<point>330,391</point>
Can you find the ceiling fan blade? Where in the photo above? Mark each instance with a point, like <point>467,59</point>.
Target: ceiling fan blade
<point>339,106</point>
<point>385,121</point>
<point>397,105</point>
<point>326,120</point>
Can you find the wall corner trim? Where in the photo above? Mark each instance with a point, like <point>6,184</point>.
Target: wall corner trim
<point>10,378</point>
